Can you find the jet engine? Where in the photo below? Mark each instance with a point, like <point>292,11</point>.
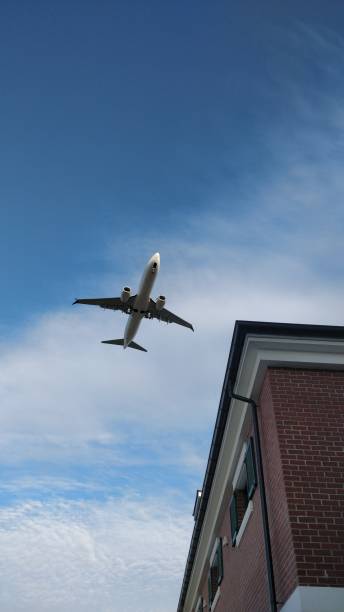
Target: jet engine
<point>125,295</point>
<point>160,302</point>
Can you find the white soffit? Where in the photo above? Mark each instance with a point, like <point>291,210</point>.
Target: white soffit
<point>261,352</point>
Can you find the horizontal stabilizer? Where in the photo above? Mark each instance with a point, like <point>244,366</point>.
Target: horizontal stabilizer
<point>137,346</point>
<point>120,342</point>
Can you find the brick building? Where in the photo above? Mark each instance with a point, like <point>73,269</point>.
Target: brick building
<point>291,557</point>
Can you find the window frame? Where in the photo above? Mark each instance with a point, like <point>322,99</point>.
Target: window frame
<point>251,470</point>
<point>233,519</point>
<point>246,462</point>
<point>217,555</point>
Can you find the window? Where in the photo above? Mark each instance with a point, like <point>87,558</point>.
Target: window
<point>199,607</point>
<point>244,485</point>
<point>215,572</point>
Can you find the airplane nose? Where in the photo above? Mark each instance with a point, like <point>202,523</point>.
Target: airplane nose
<point>154,262</point>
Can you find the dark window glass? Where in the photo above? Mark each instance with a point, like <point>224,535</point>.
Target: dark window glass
<point>210,592</point>
<point>200,605</point>
<point>250,470</point>
<point>246,484</point>
<point>215,573</point>
<point>219,561</point>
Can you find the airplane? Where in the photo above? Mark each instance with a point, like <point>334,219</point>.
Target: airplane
<point>138,306</point>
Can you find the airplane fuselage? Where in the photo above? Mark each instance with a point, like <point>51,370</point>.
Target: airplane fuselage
<point>142,299</point>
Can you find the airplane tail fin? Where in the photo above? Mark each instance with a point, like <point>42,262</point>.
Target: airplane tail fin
<point>120,342</point>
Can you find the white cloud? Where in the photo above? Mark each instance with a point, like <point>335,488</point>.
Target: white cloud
<point>63,392</point>
<point>66,396</point>
<point>124,554</point>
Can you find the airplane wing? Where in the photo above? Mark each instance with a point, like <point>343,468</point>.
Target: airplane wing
<point>166,316</point>
<point>112,303</point>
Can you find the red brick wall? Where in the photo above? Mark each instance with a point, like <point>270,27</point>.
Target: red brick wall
<point>301,414</point>
<point>305,408</point>
<point>284,563</point>
<point>244,587</point>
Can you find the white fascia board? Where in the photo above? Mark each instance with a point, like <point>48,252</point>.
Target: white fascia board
<point>259,353</point>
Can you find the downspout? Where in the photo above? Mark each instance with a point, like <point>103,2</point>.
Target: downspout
<point>265,519</point>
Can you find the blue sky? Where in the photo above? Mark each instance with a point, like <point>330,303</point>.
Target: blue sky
<point>213,133</point>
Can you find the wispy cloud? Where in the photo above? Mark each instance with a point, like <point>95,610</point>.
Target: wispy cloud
<point>65,555</point>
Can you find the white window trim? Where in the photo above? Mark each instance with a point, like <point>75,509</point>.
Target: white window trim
<point>239,466</point>
<point>216,599</point>
<point>199,601</point>
<point>217,543</point>
<point>244,522</point>
<point>212,556</point>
